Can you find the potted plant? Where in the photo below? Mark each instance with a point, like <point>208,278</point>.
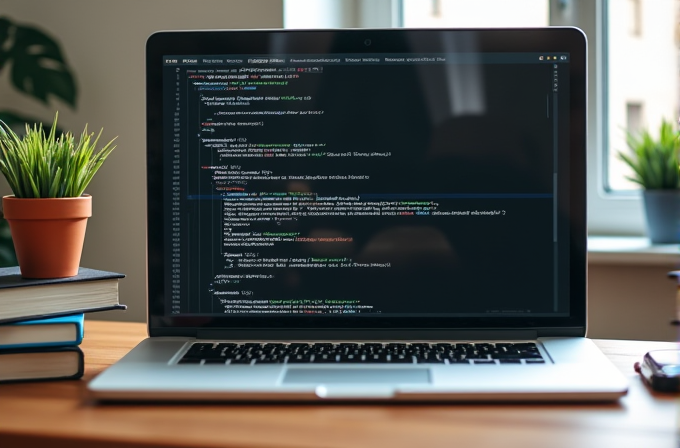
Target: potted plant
<point>655,165</point>
<point>48,211</point>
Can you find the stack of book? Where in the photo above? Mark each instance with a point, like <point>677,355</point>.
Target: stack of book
<point>41,322</point>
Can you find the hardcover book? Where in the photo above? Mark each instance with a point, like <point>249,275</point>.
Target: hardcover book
<point>41,363</point>
<point>50,332</point>
<point>25,299</point>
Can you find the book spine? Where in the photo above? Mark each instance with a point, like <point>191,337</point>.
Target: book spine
<point>75,320</point>
<point>77,373</point>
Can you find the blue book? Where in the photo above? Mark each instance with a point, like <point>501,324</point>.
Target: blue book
<point>50,332</point>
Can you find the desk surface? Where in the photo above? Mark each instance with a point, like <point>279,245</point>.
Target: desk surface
<point>56,414</point>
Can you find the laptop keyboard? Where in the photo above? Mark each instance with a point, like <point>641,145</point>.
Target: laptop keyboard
<point>362,353</point>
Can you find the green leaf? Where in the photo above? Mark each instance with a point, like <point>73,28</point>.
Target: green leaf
<point>654,160</point>
<point>38,66</point>
<point>42,165</point>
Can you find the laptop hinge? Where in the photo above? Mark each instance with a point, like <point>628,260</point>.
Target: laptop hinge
<point>366,334</point>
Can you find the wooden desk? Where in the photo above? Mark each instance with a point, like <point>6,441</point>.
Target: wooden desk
<point>55,414</point>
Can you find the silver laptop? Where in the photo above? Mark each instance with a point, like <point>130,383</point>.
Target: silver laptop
<point>366,215</point>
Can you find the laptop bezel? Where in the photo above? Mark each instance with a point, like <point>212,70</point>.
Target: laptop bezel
<point>553,39</point>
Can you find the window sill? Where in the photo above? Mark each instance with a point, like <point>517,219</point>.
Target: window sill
<point>626,250</point>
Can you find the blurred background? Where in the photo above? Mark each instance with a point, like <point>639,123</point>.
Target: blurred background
<point>99,45</point>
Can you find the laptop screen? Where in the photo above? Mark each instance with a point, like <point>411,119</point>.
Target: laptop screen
<point>403,179</point>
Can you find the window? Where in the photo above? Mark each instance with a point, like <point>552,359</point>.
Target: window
<point>642,76</point>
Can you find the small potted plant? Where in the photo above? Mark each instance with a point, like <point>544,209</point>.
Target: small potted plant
<point>656,168</point>
<point>48,211</point>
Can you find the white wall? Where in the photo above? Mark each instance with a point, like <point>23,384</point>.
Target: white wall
<point>104,43</point>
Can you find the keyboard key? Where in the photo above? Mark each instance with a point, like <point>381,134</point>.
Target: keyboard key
<point>376,358</point>
<point>215,361</point>
<point>241,361</point>
<point>429,361</point>
<point>524,346</point>
<point>401,360</point>
<point>507,356</point>
<point>325,360</point>
<point>476,356</point>
<point>350,358</point>
<point>299,359</point>
<point>197,350</point>
<point>457,361</point>
<point>274,357</point>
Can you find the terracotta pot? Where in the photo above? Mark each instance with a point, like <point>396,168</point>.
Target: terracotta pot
<point>48,234</point>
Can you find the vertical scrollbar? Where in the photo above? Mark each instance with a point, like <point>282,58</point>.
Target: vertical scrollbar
<point>555,207</point>
<point>555,163</point>
<point>556,266</point>
<point>555,247</point>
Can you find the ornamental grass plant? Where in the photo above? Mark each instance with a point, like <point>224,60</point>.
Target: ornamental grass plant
<point>44,165</point>
<point>654,160</point>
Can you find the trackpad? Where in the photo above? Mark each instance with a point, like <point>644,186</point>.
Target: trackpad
<point>356,376</point>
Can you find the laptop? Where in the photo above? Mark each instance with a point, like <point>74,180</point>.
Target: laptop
<point>392,214</point>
